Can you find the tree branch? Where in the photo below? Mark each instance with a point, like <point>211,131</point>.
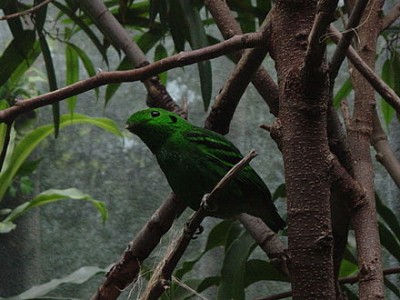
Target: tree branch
<point>268,242</point>
<point>377,83</point>
<point>316,44</point>
<point>181,59</point>
<point>119,38</point>
<point>159,281</point>
<point>25,12</point>
<point>391,17</point>
<point>384,153</point>
<point>347,36</point>
<point>229,27</point>
<point>227,100</point>
<point>127,268</point>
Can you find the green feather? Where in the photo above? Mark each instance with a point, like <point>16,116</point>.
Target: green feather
<point>194,159</point>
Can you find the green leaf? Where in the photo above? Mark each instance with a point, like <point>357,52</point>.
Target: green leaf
<point>347,268</point>
<point>198,39</point>
<point>392,287</point>
<point>18,57</point>
<point>343,92</point>
<point>6,227</point>
<point>52,79</point>
<point>388,76</point>
<point>257,270</point>
<point>280,192</point>
<point>87,63</point>
<point>54,195</point>
<point>113,87</point>
<point>388,216</point>
<point>78,277</point>
<point>174,15</point>
<point>218,236</point>
<point>161,53</point>
<point>389,241</point>
<point>27,144</point>
<point>3,126</point>
<point>82,25</point>
<point>234,267</point>
<point>72,69</point>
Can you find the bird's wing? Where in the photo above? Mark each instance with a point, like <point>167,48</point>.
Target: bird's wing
<point>224,155</point>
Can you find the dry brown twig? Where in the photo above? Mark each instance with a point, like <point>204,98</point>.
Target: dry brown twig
<point>181,59</point>
<point>25,12</point>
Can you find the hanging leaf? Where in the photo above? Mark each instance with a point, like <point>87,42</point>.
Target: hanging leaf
<point>342,93</point>
<point>161,53</point>
<point>29,142</point>
<point>389,241</point>
<point>198,39</point>
<point>257,270</point>
<point>78,277</point>
<point>72,73</point>
<point>82,25</point>
<point>234,267</point>
<point>388,216</point>
<point>87,63</point>
<point>387,76</point>
<point>52,80</point>
<point>18,57</point>
<point>46,197</point>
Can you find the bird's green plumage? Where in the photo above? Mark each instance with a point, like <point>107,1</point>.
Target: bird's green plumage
<point>194,159</point>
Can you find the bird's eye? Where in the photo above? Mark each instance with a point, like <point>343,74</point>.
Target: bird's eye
<point>155,113</point>
<point>173,119</point>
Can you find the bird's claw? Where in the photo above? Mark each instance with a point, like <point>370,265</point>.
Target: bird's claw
<point>207,206</point>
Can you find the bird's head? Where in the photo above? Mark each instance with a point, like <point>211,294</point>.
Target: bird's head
<point>155,125</point>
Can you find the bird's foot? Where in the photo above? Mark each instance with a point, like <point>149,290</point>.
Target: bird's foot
<point>193,235</point>
<point>206,205</point>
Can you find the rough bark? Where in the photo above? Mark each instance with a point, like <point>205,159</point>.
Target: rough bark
<point>303,109</point>
<point>365,219</point>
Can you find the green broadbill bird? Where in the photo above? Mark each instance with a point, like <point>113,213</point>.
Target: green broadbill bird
<point>194,159</point>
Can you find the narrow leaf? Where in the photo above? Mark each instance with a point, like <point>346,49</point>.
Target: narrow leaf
<point>54,195</point>
<point>52,79</point>
<point>389,241</point>
<point>87,63</point>
<point>78,21</point>
<point>198,39</point>
<point>388,76</point>
<point>78,277</point>
<point>343,92</point>
<point>161,53</point>
<point>72,75</point>
<point>257,270</point>
<point>29,142</point>
<point>388,216</point>
<point>234,266</point>
<point>18,55</point>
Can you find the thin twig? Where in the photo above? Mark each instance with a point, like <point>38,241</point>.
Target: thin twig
<point>181,59</point>
<point>391,17</point>
<point>347,36</point>
<point>229,26</point>
<point>162,275</point>
<point>127,268</point>
<point>384,153</point>
<point>316,45</point>
<point>377,83</point>
<point>25,12</point>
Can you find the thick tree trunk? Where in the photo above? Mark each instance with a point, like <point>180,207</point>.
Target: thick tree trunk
<point>303,115</point>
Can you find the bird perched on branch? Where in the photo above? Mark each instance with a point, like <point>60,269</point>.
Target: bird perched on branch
<point>194,159</point>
